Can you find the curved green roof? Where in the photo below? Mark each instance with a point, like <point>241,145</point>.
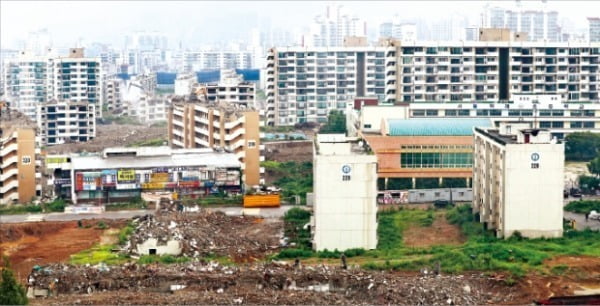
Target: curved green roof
<point>435,126</point>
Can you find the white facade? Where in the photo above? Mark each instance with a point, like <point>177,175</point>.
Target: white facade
<point>330,29</point>
<point>539,23</point>
<point>594,27</point>
<point>345,191</point>
<point>33,80</point>
<point>304,84</point>
<point>61,122</point>
<point>214,60</point>
<point>518,178</point>
<point>184,84</point>
<point>538,111</point>
<point>232,89</point>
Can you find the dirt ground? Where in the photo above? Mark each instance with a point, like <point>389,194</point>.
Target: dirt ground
<point>40,243</point>
<point>440,232</point>
<point>112,135</point>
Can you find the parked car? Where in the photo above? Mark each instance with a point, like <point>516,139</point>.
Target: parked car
<point>576,193</point>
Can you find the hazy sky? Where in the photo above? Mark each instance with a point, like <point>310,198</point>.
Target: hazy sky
<point>196,22</point>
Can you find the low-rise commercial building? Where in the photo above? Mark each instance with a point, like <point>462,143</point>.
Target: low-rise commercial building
<point>541,111</point>
<point>61,121</point>
<point>424,153</point>
<point>120,174</point>
<point>221,126</point>
<point>345,191</point>
<point>518,180</point>
<point>19,164</point>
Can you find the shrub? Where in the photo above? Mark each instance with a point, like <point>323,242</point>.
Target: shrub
<point>101,225</point>
<point>125,233</point>
<point>11,292</point>
<point>294,253</point>
<point>583,207</point>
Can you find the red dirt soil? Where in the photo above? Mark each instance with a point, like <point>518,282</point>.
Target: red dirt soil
<point>29,244</point>
<point>439,233</point>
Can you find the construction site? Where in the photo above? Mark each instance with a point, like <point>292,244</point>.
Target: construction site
<point>217,258</point>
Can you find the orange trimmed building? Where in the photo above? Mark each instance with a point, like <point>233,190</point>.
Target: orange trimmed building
<point>424,153</point>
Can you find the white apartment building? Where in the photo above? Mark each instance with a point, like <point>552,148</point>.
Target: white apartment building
<point>61,122</point>
<point>539,24</point>
<point>303,84</point>
<point>184,83</point>
<point>31,80</point>
<point>539,111</point>
<point>232,88</point>
<point>594,25</point>
<point>214,60</point>
<point>113,99</point>
<point>518,178</point>
<point>330,29</point>
<point>149,108</point>
<point>345,192</point>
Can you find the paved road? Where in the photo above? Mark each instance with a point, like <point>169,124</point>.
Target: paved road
<point>580,222</point>
<point>126,214</point>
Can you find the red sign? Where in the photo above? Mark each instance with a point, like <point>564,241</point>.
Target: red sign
<point>79,181</point>
<point>189,184</point>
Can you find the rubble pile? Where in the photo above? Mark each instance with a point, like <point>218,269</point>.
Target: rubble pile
<point>207,233</point>
<point>274,283</point>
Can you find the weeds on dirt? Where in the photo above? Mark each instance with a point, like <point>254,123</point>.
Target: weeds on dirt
<point>99,254</point>
<point>220,200</point>
<point>135,203</point>
<point>164,259</point>
<point>124,233</point>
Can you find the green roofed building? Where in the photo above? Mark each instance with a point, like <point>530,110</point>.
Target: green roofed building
<point>434,126</point>
<point>424,152</point>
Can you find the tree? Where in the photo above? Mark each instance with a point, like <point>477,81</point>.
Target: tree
<point>11,292</point>
<point>594,166</point>
<point>336,123</point>
<point>582,146</point>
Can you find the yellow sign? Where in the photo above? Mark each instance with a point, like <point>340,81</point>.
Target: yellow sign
<point>56,160</point>
<point>126,175</point>
<point>153,186</point>
<point>159,177</point>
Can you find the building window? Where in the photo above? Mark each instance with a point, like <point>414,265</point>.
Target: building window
<point>345,177</point>
<point>251,143</point>
<point>367,126</point>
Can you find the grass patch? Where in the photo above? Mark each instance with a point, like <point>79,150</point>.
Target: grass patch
<point>392,224</point>
<point>583,207</point>
<point>156,142</point>
<point>164,259</point>
<point>221,200</point>
<point>294,178</point>
<point>137,203</point>
<point>57,205</point>
<point>98,254</point>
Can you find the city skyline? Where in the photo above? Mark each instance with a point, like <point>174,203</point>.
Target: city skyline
<point>208,22</point>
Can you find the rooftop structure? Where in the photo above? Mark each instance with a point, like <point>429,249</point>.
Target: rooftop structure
<point>434,127</point>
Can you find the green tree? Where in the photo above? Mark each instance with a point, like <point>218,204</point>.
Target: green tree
<point>594,166</point>
<point>336,123</point>
<point>11,292</point>
<point>582,146</point>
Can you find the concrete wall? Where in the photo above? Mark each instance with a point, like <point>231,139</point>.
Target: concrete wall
<point>430,195</point>
<point>172,247</point>
<point>371,117</point>
<point>252,155</point>
<point>345,211</point>
<point>533,196</point>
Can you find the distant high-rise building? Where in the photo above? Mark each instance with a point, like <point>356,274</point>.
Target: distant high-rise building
<point>539,24</point>
<point>403,31</point>
<point>31,80</point>
<point>594,28</point>
<point>145,41</point>
<point>330,29</point>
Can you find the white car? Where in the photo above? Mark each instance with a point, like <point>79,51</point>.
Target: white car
<point>594,215</point>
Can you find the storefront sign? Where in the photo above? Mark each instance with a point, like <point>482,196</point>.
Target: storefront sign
<point>126,175</point>
<point>159,177</point>
<point>127,186</point>
<point>189,184</point>
<point>79,181</point>
<point>56,160</point>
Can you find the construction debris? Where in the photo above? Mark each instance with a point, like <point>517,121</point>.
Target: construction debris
<point>211,283</point>
<point>204,233</point>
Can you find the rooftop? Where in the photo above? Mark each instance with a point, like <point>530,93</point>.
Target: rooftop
<point>163,157</point>
<point>435,127</point>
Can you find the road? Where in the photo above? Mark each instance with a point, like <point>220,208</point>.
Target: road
<point>580,223</point>
<point>126,214</point>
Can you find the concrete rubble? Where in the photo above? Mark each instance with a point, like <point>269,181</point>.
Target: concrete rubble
<point>202,282</point>
<point>205,233</point>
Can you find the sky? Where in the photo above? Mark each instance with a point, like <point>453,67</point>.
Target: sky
<point>198,22</point>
